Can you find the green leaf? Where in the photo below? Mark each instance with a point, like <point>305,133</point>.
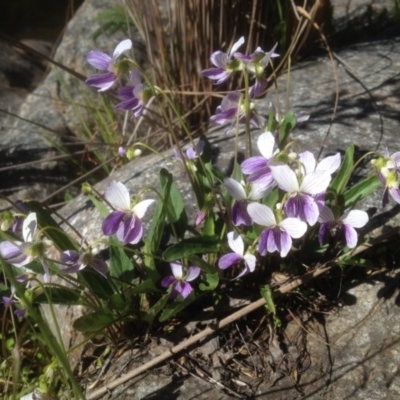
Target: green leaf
<point>156,309</point>
<point>360,191</point>
<point>204,266</point>
<point>51,228</point>
<point>121,267</point>
<point>153,239</point>
<point>272,198</point>
<point>266,292</point>
<point>287,125</point>
<point>101,207</point>
<point>191,246</point>
<point>173,200</point>
<point>271,126</point>
<point>95,321</point>
<point>177,305</point>
<point>57,295</point>
<point>147,286</point>
<point>99,285</point>
<point>342,178</point>
<point>209,282</point>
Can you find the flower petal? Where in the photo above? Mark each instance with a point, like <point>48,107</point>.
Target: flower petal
<point>315,182</point>
<point>176,268</point>
<point>118,195</point>
<point>122,47</point>
<point>29,227</point>
<point>102,81</point>
<point>308,161</point>
<point>111,222</point>
<point>140,208</point>
<point>193,273</point>
<point>322,232</point>
<point>351,236</point>
<point>167,281</point>
<point>329,164</point>
<point>240,216</point>
<point>261,214</point>
<point>236,45</point>
<point>294,227</point>
<point>235,189</point>
<point>98,59</point>
<point>235,242</point>
<point>253,164</point>
<point>250,261</point>
<point>258,191</point>
<point>183,288</point>
<point>285,178</point>
<point>130,231</point>
<point>355,218</point>
<point>325,214</point>
<point>266,143</point>
<point>284,243</point>
<point>227,260</point>
<point>69,257</point>
<point>10,250</point>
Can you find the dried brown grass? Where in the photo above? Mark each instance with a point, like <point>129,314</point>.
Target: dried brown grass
<point>180,35</point>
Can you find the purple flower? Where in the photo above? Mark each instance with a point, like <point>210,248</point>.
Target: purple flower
<point>347,222</point>
<point>81,260</point>
<point>179,282</point>
<point>255,64</point>
<point>104,62</point>
<point>125,222</point>
<point>9,302</point>
<point>134,97</point>
<point>235,242</point>
<point>20,254</point>
<point>388,168</point>
<point>278,235</point>
<point>240,216</point>
<point>191,153</point>
<point>258,167</point>
<point>232,110</point>
<point>301,202</point>
<point>225,66</point>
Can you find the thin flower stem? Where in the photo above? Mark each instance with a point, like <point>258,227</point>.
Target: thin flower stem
<point>247,113</point>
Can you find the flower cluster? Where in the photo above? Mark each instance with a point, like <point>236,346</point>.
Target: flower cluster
<point>134,96</point>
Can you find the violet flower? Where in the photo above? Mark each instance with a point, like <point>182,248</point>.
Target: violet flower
<point>388,168</point>
<point>258,167</point>
<point>80,260</point>
<point>347,222</point>
<point>136,96</point>
<point>180,284</point>
<point>125,222</point>
<point>236,243</point>
<point>255,64</point>
<point>9,302</point>
<point>278,235</point>
<point>232,110</point>
<point>224,64</point>
<point>114,67</point>
<point>301,202</point>
<point>240,216</point>
<point>191,153</point>
<point>20,254</point>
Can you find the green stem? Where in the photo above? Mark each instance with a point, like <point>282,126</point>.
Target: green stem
<point>47,335</point>
<point>247,110</point>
